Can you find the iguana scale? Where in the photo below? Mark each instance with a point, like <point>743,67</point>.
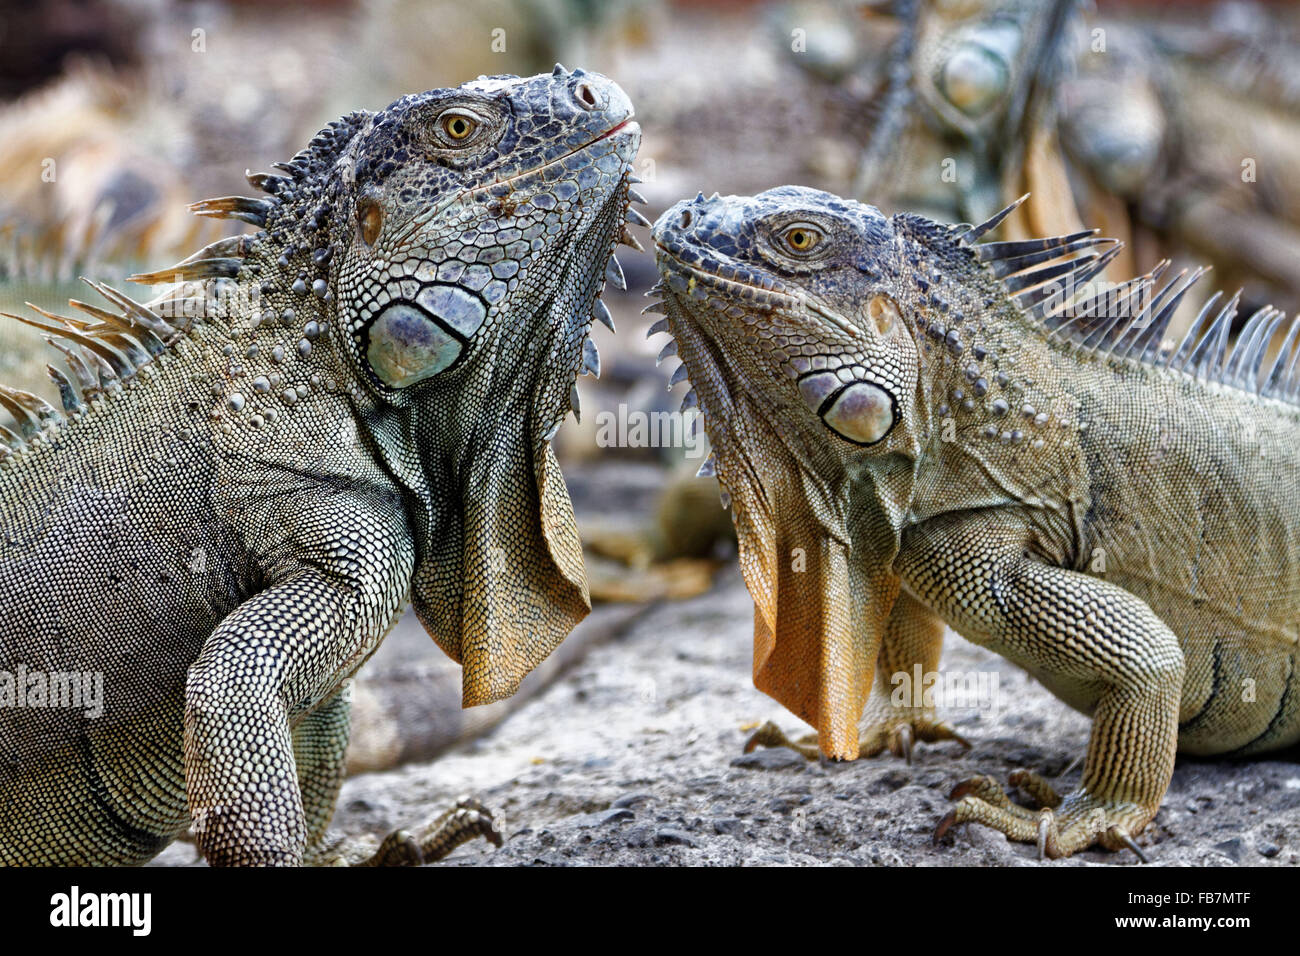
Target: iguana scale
<point>916,428</point>
<point>346,410</point>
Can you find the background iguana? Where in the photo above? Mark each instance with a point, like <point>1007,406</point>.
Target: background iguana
<point>344,410</point>
<point>915,429</point>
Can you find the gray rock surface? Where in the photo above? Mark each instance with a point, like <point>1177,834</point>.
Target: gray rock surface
<point>634,758</point>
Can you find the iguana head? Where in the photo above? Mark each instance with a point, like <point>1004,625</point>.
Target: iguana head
<point>460,239</point>
<point>792,304</point>
<point>813,328</point>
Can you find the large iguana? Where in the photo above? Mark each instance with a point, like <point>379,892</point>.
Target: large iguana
<point>346,410</point>
<point>918,429</point>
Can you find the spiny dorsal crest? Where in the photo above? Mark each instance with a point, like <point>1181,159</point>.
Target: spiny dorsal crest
<point>112,345</point>
<point>1052,281</point>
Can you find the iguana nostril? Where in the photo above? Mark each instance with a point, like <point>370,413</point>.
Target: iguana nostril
<point>686,219</point>
<point>587,96</point>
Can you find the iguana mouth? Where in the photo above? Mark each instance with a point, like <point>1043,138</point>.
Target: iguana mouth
<point>783,299</point>
<point>635,129</point>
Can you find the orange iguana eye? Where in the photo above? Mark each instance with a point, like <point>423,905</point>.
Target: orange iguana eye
<point>371,219</point>
<point>801,238</point>
<point>458,127</point>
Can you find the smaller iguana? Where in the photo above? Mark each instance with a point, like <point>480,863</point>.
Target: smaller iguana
<point>347,410</point>
<point>916,428</point>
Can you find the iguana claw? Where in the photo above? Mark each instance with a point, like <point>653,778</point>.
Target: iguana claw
<point>466,820</point>
<point>1063,825</point>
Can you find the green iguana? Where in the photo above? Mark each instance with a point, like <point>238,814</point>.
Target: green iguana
<point>346,410</point>
<point>918,429</point>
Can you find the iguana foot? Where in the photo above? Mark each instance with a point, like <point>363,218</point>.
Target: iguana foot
<point>462,823</point>
<point>1062,827</point>
<point>770,735</point>
<point>897,735</point>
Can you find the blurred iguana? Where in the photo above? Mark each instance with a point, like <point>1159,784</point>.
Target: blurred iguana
<point>916,428</point>
<point>346,410</point>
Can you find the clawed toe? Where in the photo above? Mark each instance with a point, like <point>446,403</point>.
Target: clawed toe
<point>1062,827</point>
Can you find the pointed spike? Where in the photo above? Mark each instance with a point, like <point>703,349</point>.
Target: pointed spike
<point>151,343</point>
<point>28,420</point>
<point>680,374</point>
<point>550,432</point>
<point>636,219</point>
<point>559,70</point>
<point>1275,378</point>
<point>575,404</point>
<point>655,289</point>
<point>72,403</point>
<point>669,349</point>
<point>601,311</point>
<point>614,273</point>
<point>1019,249</point>
<point>627,239</point>
<point>972,234</point>
<point>1245,345</point>
<point>1118,332</point>
<point>1251,370</point>
<point>86,379</point>
<point>1008,266</point>
<point>699,197</point>
<point>1146,347</point>
<point>242,208</point>
<point>590,358</point>
<point>1193,334</point>
<point>265,182</point>
<point>660,325</point>
<point>116,364</point>
<point>635,196</point>
<point>218,268</point>
<point>135,311</point>
<point>710,467</point>
<point>1207,360</point>
<point>690,400</point>
<point>725,497</point>
<point>635,180</point>
<point>1017,284</point>
<point>1085,274</point>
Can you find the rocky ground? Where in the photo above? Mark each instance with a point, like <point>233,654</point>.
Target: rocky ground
<point>634,758</point>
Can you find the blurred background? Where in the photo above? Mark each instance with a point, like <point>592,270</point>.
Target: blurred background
<point>1172,126</point>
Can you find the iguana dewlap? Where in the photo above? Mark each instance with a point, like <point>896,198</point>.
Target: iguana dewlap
<point>346,410</point>
<point>915,428</point>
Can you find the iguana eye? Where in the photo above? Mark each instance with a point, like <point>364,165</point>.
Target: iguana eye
<point>458,126</point>
<point>801,238</point>
<point>370,219</point>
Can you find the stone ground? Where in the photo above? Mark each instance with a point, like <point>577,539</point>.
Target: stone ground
<point>634,758</point>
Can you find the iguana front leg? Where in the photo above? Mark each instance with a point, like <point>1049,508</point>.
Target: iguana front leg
<point>1097,646</point>
<point>241,779</point>
<point>913,637</point>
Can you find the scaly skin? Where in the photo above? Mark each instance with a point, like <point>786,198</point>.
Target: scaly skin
<point>913,431</point>
<point>344,411</point>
